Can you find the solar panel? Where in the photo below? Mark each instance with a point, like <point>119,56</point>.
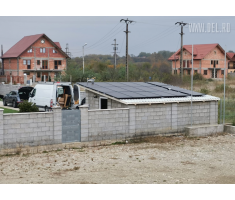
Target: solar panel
<point>130,90</point>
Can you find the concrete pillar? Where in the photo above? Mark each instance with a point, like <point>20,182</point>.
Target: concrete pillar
<point>30,82</point>
<point>213,110</point>
<point>174,116</point>
<point>84,123</point>
<point>57,124</point>
<point>44,78</point>
<point>1,128</point>
<point>40,76</point>
<point>132,115</point>
<point>34,78</point>
<point>25,79</point>
<point>10,80</point>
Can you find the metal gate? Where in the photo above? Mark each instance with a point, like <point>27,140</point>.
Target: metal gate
<point>71,126</point>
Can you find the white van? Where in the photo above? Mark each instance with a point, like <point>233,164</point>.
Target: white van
<point>48,94</point>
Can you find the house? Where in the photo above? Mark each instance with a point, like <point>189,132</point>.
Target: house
<point>34,55</point>
<point>127,109</point>
<point>208,60</point>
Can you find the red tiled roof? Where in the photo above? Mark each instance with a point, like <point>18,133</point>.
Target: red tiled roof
<point>58,44</point>
<point>21,46</point>
<point>199,50</point>
<point>25,43</point>
<point>230,54</point>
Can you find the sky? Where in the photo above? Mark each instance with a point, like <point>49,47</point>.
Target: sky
<point>147,34</point>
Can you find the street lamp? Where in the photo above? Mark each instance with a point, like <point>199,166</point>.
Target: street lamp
<point>83,55</point>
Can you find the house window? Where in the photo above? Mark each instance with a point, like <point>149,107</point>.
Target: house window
<point>188,72</point>
<point>103,103</point>
<point>38,74</point>
<point>30,50</point>
<point>38,62</point>
<point>42,50</point>
<point>28,73</point>
<point>24,62</point>
<point>54,51</point>
<point>205,72</point>
<point>222,72</point>
<point>175,71</point>
<point>195,71</point>
<point>28,64</point>
<point>44,64</point>
<point>57,63</point>
<point>214,63</point>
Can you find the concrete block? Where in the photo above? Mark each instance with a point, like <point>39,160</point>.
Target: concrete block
<point>204,130</point>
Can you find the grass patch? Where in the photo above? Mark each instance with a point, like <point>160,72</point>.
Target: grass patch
<point>45,152</point>
<point>7,110</point>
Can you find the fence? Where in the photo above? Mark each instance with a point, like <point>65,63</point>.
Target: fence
<point>229,115</point>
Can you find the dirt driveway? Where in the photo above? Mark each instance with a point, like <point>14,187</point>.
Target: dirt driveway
<point>155,160</point>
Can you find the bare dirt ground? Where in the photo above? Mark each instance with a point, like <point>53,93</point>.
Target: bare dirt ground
<point>154,160</point>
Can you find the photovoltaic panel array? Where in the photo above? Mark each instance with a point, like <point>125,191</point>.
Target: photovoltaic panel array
<point>138,90</point>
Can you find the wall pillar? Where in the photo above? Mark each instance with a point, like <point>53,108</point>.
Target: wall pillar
<point>213,111</point>
<point>84,123</point>
<point>57,124</point>
<point>1,128</point>
<point>174,116</point>
<point>132,114</point>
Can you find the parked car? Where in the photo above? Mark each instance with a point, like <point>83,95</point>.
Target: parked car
<point>17,96</point>
<point>48,94</point>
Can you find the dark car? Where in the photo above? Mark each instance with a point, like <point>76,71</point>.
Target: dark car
<point>17,96</point>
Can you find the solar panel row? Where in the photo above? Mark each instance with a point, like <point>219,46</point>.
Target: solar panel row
<point>131,90</point>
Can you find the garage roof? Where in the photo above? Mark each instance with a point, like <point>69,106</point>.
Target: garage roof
<point>138,90</point>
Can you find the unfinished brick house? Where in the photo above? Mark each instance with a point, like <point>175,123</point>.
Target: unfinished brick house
<point>208,60</point>
<point>34,55</point>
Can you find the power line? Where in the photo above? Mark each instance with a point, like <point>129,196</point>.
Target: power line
<point>154,37</point>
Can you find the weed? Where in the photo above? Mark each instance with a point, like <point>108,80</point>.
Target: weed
<point>233,122</point>
<point>58,149</point>
<point>76,168</point>
<point>118,143</point>
<point>45,152</point>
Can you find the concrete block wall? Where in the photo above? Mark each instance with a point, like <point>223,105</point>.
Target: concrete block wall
<point>6,88</point>
<point>201,114</point>
<point>105,124</point>
<point>30,129</point>
<point>152,119</point>
<point>149,119</point>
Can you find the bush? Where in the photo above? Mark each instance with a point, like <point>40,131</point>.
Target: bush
<point>28,107</point>
<point>205,91</point>
<point>197,76</point>
<point>210,79</point>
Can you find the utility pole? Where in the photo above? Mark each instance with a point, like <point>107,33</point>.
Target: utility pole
<point>83,56</point>
<point>181,52</point>
<point>127,22</point>
<point>67,50</point>
<point>115,53</point>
